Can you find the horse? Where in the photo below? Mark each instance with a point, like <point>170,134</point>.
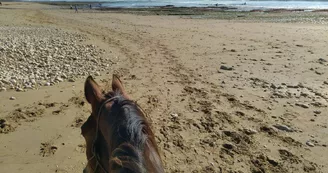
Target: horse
<point>118,136</point>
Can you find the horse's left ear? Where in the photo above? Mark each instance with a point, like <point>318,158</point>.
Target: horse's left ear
<point>92,91</point>
<point>117,86</point>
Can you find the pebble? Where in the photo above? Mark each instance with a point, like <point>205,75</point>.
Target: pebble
<point>283,128</point>
<point>4,123</point>
<point>54,147</point>
<point>318,104</point>
<point>71,80</point>
<point>322,60</point>
<point>64,76</point>
<point>310,144</point>
<point>97,74</point>
<point>12,98</point>
<point>319,72</point>
<point>3,89</point>
<point>303,105</point>
<point>94,60</point>
<point>304,94</point>
<point>224,67</point>
<point>195,110</point>
<point>228,146</point>
<point>59,79</point>
<point>33,81</point>
<point>293,86</point>
<point>19,89</point>
<point>317,112</point>
<point>13,81</point>
<point>28,87</point>
<point>272,161</point>
<point>174,115</point>
<point>250,131</point>
<point>5,81</point>
<point>273,86</point>
<point>47,84</point>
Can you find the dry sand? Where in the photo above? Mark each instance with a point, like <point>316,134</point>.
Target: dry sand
<point>223,96</point>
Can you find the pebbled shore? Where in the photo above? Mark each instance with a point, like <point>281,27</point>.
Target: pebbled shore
<point>31,57</point>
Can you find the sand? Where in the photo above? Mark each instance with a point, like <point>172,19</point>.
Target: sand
<point>222,95</point>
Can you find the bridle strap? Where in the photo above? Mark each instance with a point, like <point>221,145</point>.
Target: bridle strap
<point>95,155</point>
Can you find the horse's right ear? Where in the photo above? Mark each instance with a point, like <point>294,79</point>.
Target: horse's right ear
<point>92,91</point>
<point>117,86</point>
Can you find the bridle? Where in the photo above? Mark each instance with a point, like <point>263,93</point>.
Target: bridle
<point>94,153</point>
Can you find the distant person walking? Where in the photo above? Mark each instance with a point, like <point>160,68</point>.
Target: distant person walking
<point>90,6</point>
<point>0,4</point>
<point>75,7</point>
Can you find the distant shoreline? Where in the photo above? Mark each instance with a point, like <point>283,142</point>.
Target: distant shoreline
<point>223,8</point>
<point>98,6</point>
<point>222,13</point>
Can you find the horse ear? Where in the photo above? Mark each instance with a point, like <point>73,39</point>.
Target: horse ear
<point>92,91</point>
<point>118,86</point>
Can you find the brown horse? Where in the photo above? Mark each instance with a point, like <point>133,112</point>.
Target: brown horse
<point>118,137</point>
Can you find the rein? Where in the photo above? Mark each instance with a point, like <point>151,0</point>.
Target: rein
<point>95,154</point>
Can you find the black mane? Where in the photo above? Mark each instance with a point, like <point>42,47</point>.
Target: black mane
<point>130,125</point>
<point>130,129</point>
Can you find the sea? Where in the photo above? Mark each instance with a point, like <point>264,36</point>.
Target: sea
<point>240,4</point>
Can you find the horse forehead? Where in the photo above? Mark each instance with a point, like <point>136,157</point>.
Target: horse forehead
<point>108,107</point>
<point>90,123</point>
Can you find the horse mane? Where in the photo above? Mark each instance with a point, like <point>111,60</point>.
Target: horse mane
<point>133,136</point>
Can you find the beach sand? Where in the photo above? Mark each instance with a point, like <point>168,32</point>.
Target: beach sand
<point>237,96</point>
